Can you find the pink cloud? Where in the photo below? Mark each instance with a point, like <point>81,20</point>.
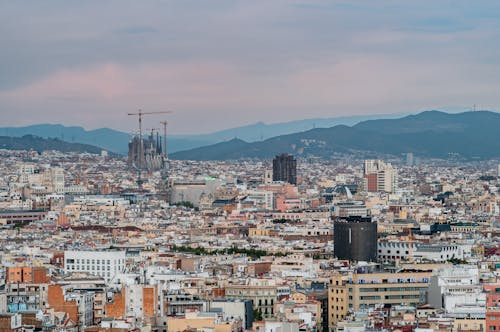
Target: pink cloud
<point>213,95</point>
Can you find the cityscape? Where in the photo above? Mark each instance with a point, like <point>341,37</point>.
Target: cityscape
<point>249,166</point>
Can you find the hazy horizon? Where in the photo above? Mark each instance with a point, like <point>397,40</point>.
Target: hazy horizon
<point>135,129</point>
<point>225,64</point>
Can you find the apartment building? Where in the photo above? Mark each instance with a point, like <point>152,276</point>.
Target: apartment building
<point>239,309</point>
<point>457,287</point>
<point>132,301</point>
<point>105,264</point>
<point>79,305</point>
<point>363,290</point>
<point>492,307</point>
<point>379,176</point>
<point>263,294</point>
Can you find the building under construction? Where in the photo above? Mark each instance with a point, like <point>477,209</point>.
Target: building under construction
<point>148,156</point>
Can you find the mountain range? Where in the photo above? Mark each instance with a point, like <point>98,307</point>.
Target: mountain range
<point>469,135</point>
<point>428,134</point>
<point>39,144</point>
<point>117,141</point>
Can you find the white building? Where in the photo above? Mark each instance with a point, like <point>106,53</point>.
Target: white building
<point>76,189</point>
<point>27,168</point>
<point>105,264</point>
<point>437,252</point>
<point>57,175</point>
<point>296,265</point>
<point>237,308</point>
<point>101,200</point>
<point>262,199</point>
<point>271,326</point>
<point>456,289</point>
<point>351,208</point>
<point>134,296</point>
<point>268,176</point>
<point>85,303</point>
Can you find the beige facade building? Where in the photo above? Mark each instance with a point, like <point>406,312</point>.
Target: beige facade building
<point>362,290</point>
<point>264,296</point>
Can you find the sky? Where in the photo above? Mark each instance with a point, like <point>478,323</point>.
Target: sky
<point>219,64</point>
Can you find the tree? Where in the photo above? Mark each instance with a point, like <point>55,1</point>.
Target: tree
<point>185,204</point>
<point>257,315</point>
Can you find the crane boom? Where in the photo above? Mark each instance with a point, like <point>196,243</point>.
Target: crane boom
<point>143,113</point>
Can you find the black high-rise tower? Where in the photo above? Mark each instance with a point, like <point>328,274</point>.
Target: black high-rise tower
<point>285,168</point>
<point>355,238</point>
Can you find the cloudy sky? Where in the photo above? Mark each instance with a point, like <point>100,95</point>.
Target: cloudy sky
<point>220,64</point>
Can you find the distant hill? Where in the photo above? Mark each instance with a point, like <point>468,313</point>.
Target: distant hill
<point>219,151</point>
<point>260,131</point>
<point>117,141</point>
<point>31,142</point>
<point>428,134</point>
<point>432,121</point>
<point>105,138</point>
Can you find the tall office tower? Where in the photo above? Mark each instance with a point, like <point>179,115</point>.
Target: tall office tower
<point>355,239</point>
<point>285,168</point>
<point>379,176</point>
<point>409,159</point>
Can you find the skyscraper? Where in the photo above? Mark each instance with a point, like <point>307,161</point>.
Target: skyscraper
<point>285,168</point>
<point>355,239</point>
<point>380,176</point>
<point>409,159</point>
